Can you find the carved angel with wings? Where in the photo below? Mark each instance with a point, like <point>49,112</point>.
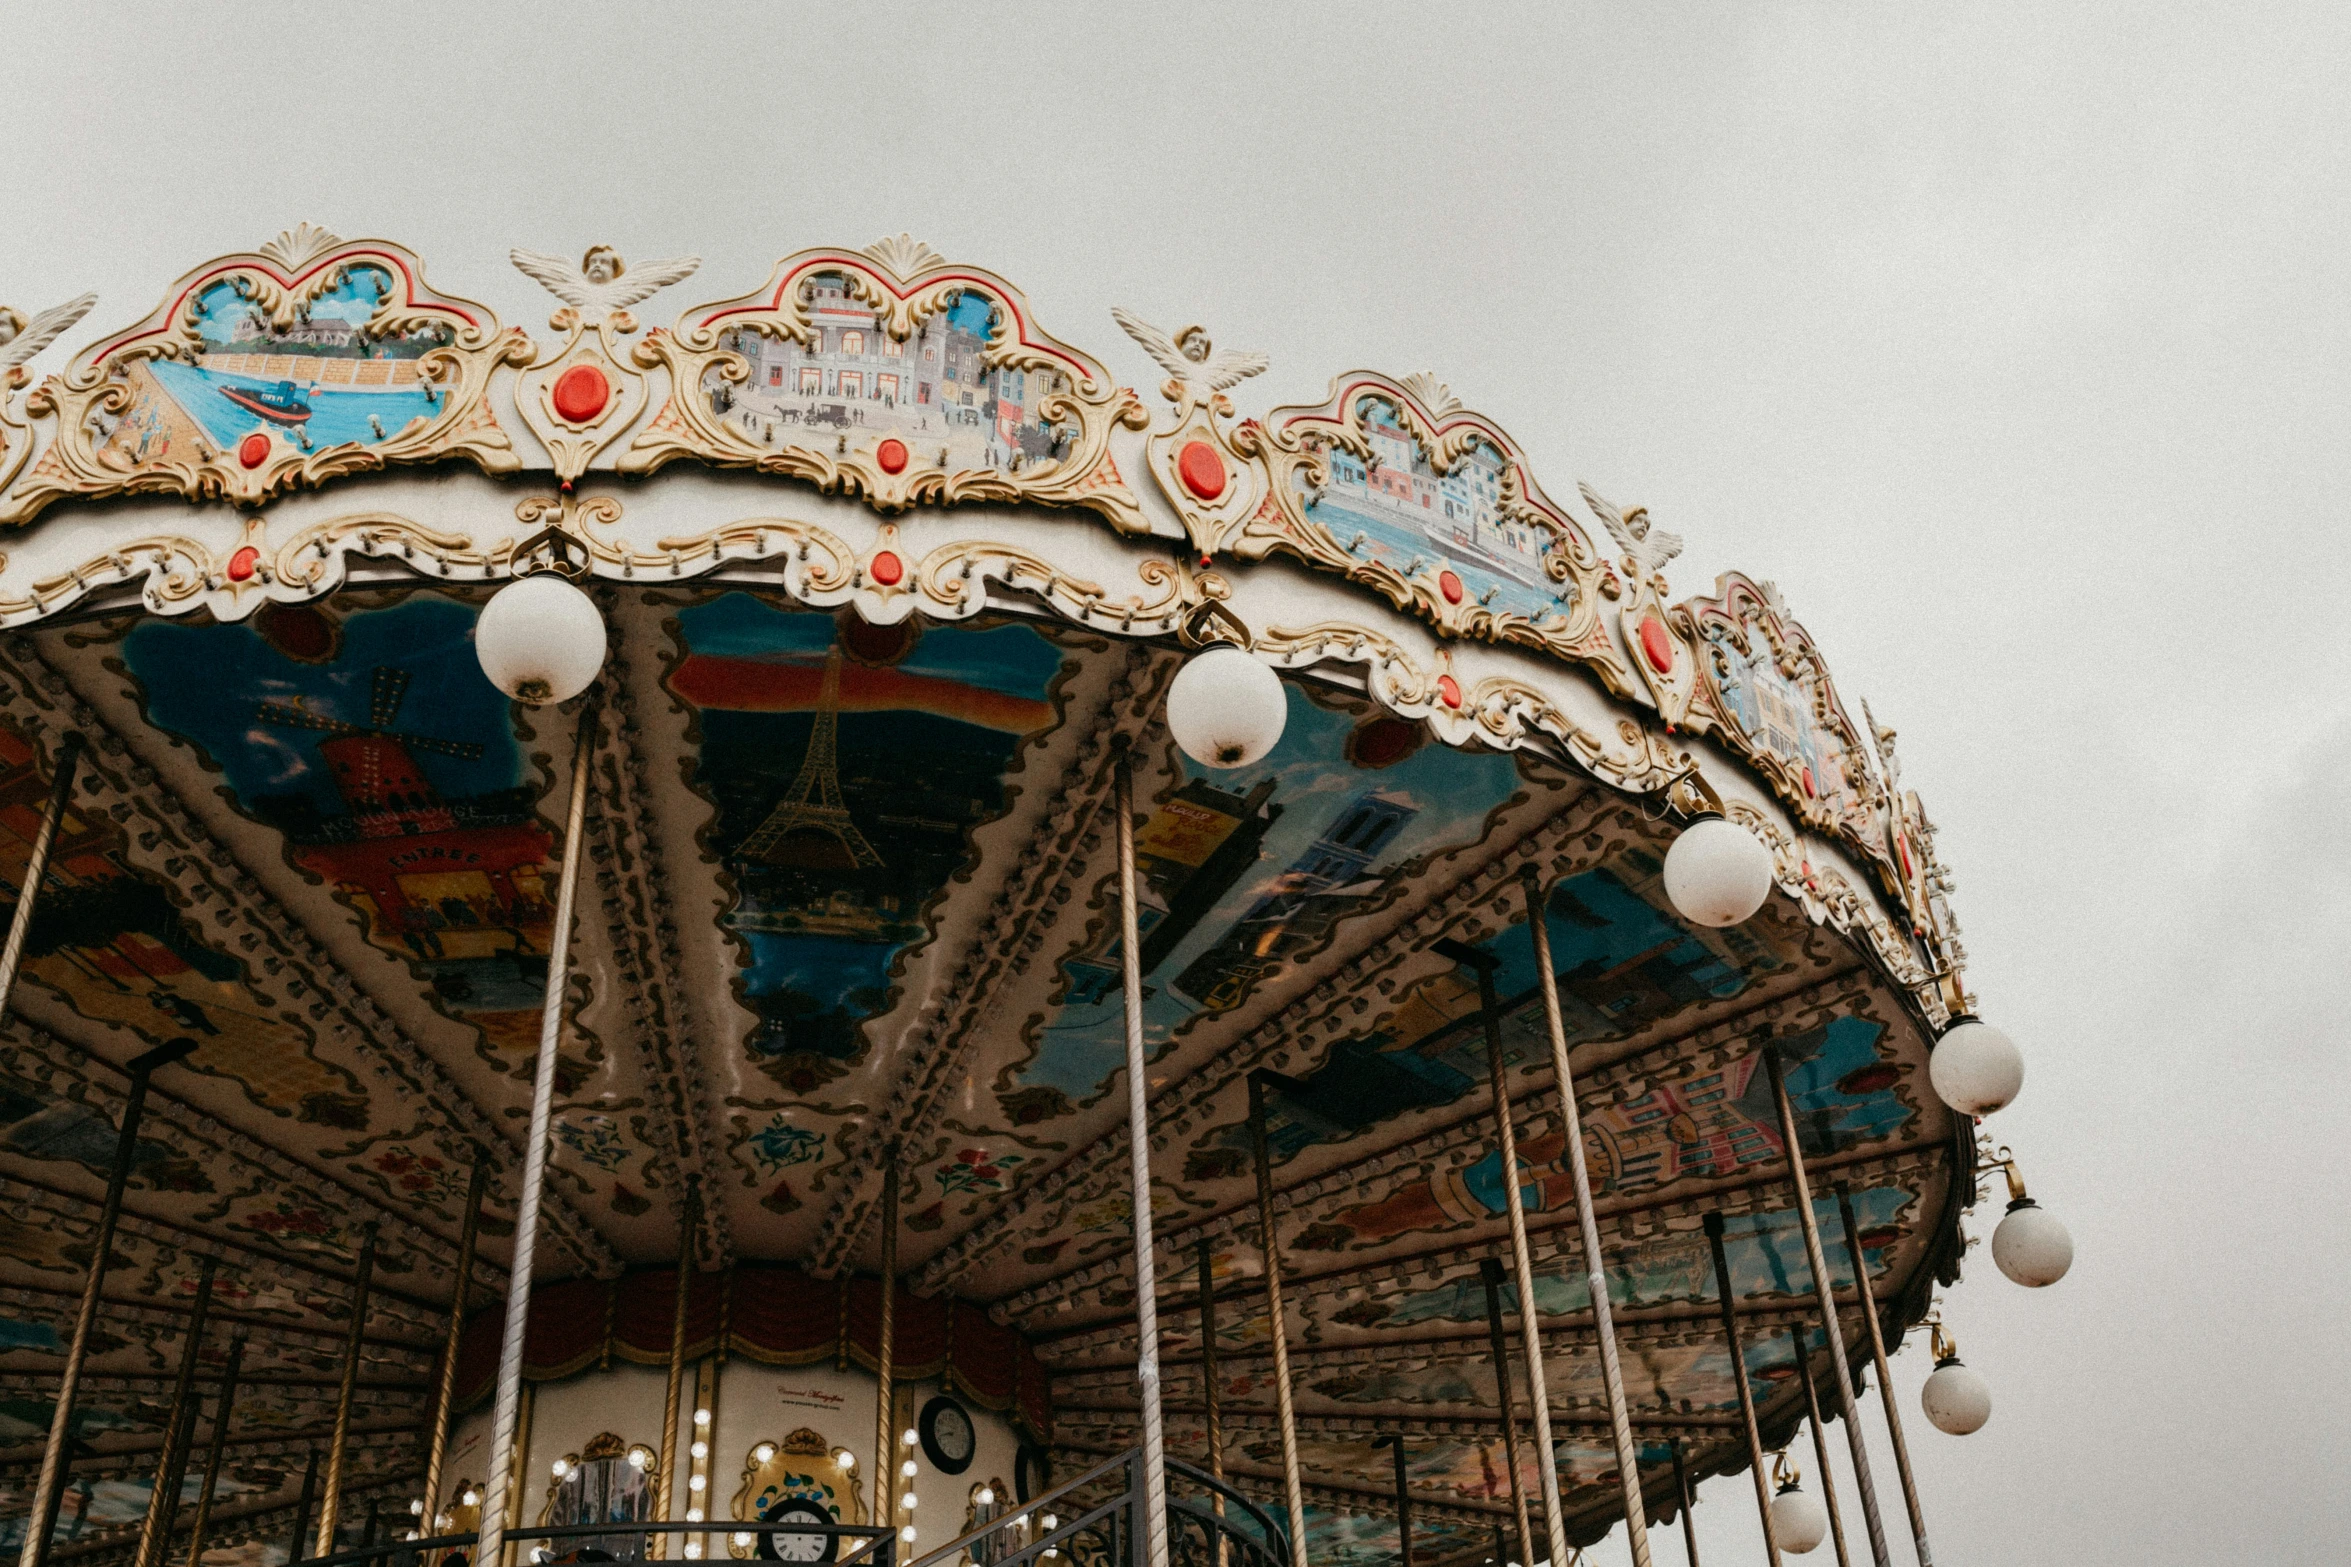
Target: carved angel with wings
<point>21,339</point>
<point>601,287</point>
<point>1649,547</point>
<point>1196,370</point>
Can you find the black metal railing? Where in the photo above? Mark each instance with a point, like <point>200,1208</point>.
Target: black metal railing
<point>1095,1520</point>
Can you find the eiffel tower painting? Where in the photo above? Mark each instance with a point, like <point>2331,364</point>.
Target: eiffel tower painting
<point>813,803</point>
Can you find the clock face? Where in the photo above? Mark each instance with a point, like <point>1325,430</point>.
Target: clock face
<point>783,1545</point>
<point>948,1438</point>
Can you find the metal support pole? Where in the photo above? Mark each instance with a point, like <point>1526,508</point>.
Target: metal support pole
<point>1130,963</point>
<point>36,865</point>
<point>172,1460</point>
<point>302,1506</point>
<point>1523,1267</point>
<point>1403,1502</point>
<point>1277,1317</point>
<point>437,1448</point>
<point>1490,1270</point>
<point>885,1429</point>
<point>1877,1351</point>
<point>665,1483</point>
<point>47,1490</point>
<point>220,1438</point>
<point>330,1511</point>
<point>501,1497</point>
<point>1824,1289</point>
<point>1820,1445</point>
<point>1730,1335</point>
<point>1681,1486</point>
<point>1208,1377</point>
<point>1620,1426</point>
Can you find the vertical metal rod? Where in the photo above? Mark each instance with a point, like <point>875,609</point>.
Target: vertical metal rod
<point>171,1459</point>
<point>1681,1486</point>
<point>1130,954</point>
<point>501,1497</point>
<point>522,1459</point>
<point>36,865</point>
<point>1214,1394</point>
<point>338,1447</point>
<point>1820,1446</point>
<point>1530,1326</point>
<point>1403,1504</point>
<point>1277,1317</point>
<point>1877,1351</point>
<point>1620,1426</point>
<point>689,1217</point>
<point>1730,1335</point>
<point>1490,1270</point>
<point>47,1491</point>
<point>885,1427</point>
<point>302,1506</point>
<point>1824,1289</point>
<point>220,1438</point>
<point>437,1451</point>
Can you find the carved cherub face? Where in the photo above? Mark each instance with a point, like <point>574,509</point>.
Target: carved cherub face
<point>601,265</point>
<point>1193,344</point>
<point>1636,522</point>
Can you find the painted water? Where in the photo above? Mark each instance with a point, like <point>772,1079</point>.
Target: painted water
<point>337,415</point>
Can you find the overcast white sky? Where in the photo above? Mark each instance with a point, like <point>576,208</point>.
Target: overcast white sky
<point>2011,342</point>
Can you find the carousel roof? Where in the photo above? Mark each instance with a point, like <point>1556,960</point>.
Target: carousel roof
<point>891,576</point>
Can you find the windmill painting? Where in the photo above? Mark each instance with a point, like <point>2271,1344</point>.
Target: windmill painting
<point>394,773</point>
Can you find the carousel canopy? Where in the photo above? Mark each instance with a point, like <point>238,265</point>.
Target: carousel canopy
<point>891,577</point>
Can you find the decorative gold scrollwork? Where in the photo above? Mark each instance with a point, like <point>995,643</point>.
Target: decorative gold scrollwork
<point>931,384</point>
<point>215,395</point>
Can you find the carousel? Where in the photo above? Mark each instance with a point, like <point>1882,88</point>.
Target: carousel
<point>826,934</point>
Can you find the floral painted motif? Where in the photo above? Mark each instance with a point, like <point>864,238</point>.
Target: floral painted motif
<point>974,1170</point>
<point>779,1143</point>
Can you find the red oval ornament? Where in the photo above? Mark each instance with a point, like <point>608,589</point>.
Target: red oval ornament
<point>242,564</point>
<point>1201,470</point>
<point>1449,690</point>
<point>1449,585</point>
<point>253,450</point>
<point>1656,646</point>
<point>891,454</point>
<point>888,569</point>
<point>581,394</point>
<point>1810,793</point>
<point>1902,842</point>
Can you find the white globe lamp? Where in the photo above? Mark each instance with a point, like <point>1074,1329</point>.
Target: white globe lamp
<point>1956,1400</point>
<point>2031,1245</point>
<point>540,640</point>
<point>1976,1069</point>
<point>1226,709</point>
<point>1717,873</point>
<point>1798,1521</point>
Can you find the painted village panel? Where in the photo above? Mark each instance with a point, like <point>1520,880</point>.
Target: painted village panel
<point>327,380</point>
<point>934,389</point>
<point>1396,508</point>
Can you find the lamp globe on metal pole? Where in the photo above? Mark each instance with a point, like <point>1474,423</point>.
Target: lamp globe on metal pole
<point>540,640</point>
<point>2031,1245</point>
<point>1976,1069</point>
<point>1717,873</point>
<point>1798,1521</point>
<point>1956,1400</point>
<point>1225,708</point>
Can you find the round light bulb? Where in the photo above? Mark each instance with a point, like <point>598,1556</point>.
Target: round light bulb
<point>1976,1069</point>
<point>845,1459</point>
<point>702,1450</point>
<point>693,1515</point>
<point>760,1454</point>
<point>1797,1521</point>
<point>416,1508</point>
<point>471,1499</point>
<point>908,1469</point>
<point>1225,708</point>
<point>986,1498</point>
<point>1956,1400</point>
<point>911,1437</point>
<point>907,1534</point>
<point>1717,873</point>
<point>693,1550</point>
<point>701,1417</point>
<point>540,640</point>
<point>741,1538</point>
<point>909,1502</point>
<point>2031,1246</point>
<point>696,1483</point>
<point>1050,1522</point>
<point>561,1468</point>
<point>637,1457</point>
